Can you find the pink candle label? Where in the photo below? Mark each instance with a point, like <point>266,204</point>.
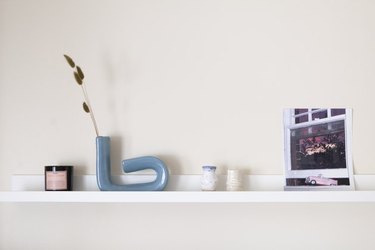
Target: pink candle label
<point>57,180</point>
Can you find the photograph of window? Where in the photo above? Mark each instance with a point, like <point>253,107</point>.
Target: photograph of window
<point>317,148</point>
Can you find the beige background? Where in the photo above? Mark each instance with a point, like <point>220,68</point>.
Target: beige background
<point>192,82</point>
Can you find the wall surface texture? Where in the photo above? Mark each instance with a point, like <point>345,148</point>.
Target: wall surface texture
<point>192,82</point>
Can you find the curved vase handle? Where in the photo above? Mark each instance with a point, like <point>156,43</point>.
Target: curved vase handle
<point>103,169</point>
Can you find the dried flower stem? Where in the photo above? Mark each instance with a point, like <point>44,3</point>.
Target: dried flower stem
<point>86,97</point>
<point>79,76</point>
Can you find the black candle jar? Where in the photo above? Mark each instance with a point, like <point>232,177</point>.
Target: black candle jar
<point>58,178</point>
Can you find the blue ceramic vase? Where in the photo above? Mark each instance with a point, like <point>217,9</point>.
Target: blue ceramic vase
<point>103,169</point>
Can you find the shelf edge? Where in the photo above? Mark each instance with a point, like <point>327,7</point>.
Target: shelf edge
<point>189,197</point>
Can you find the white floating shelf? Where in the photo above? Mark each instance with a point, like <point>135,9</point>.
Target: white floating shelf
<point>189,197</point>
<point>185,189</point>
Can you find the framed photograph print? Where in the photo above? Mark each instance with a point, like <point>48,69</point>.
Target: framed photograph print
<point>318,149</point>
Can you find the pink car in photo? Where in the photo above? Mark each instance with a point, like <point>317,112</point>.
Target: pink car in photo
<point>320,180</point>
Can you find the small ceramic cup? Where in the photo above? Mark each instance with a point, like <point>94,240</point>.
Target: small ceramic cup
<point>234,180</point>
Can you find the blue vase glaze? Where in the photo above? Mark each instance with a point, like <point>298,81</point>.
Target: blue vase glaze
<point>103,169</point>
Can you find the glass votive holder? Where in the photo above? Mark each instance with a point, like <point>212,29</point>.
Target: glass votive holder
<point>209,178</point>
<point>58,178</point>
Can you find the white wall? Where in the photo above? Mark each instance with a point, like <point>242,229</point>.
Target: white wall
<point>192,82</point>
